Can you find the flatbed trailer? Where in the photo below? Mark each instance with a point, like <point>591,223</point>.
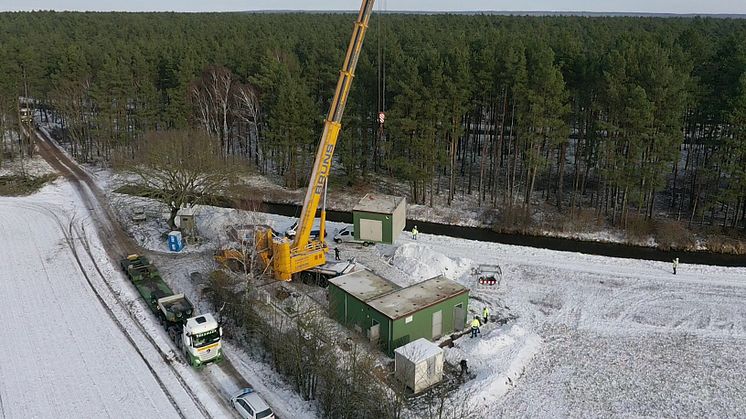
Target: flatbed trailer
<point>148,281</point>
<point>198,336</point>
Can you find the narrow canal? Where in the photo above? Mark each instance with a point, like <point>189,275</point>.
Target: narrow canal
<point>553,243</point>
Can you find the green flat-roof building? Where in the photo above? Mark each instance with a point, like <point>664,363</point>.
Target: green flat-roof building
<point>391,316</point>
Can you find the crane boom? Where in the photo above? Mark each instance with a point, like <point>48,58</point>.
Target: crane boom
<point>304,253</point>
<point>332,125</point>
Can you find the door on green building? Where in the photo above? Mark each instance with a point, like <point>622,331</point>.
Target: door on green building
<point>459,317</point>
<point>371,230</point>
<point>374,332</point>
<point>437,324</point>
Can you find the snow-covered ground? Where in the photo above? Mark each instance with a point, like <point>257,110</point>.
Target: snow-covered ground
<point>35,166</point>
<point>62,342</point>
<point>73,347</point>
<point>605,336</point>
<point>592,335</point>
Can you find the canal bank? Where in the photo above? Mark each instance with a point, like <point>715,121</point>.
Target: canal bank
<point>619,250</point>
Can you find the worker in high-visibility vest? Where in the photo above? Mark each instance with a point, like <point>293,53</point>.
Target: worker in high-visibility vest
<point>475,326</point>
<point>485,314</point>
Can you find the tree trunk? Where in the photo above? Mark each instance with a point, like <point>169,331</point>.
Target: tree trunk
<point>452,178</point>
<point>499,148</point>
<point>561,174</point>
<point>173,211</point>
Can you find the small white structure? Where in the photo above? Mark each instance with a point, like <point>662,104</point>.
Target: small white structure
<point>419,364</point>
<point>187,223</point>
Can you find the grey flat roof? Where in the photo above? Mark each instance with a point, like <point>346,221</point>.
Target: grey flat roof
<point>364,285</point>
<point>419,350</point>
<point>378,203</point>
<point>406,301</point>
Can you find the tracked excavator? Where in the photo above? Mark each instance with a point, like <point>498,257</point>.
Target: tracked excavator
<point>286,257</point>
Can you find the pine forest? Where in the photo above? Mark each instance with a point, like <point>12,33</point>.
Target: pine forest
<point>625,118</point>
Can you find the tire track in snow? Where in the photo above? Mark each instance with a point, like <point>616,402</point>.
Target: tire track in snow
<point>167,358</point>
<point>70,241</point>
<point>92,198</point>
<point>119,324</point>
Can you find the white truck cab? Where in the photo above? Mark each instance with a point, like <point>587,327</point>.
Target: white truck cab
<point>201,340</point>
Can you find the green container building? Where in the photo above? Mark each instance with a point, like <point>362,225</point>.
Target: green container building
<point>379,218</point>
<point>391,316</point>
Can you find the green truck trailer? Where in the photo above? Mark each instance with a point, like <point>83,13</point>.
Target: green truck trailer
<point>199,337</point>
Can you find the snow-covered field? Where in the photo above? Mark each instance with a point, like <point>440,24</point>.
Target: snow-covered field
<point>616,337</point>
<point>71,346</point>
<point>592,335</point>
<point>62,342</point>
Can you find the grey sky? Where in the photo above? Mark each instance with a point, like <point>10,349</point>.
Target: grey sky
<point>648,6</point>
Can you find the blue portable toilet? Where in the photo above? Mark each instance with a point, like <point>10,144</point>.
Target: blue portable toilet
<point>175,243</point>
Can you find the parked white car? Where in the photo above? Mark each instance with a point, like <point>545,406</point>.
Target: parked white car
<point>347,235</point>
<point>250,405</point>
<point>291,231</point>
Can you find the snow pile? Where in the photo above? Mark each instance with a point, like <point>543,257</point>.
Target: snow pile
<point>421,262</point>
<point>496,360</point>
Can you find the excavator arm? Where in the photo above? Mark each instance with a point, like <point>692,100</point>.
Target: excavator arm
<point>304,253</point>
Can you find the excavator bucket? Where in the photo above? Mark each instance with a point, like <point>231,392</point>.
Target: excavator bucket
<point>232,259</point>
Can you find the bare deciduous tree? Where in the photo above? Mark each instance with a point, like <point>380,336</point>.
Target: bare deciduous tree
<point>181,168</point>
<point>249,112</point>
<point>214,99</point>
<point>72,100</point>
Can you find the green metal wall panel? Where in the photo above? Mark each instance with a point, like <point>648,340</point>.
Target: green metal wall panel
<point>421,325</point>
<point>352,312</point>
<point>345,308</point>
<point>386,224</point>
<point>336,303</point>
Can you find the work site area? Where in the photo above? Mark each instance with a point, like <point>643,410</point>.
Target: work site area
<point>372,213</point>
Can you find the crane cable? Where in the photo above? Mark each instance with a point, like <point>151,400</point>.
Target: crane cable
<point>381,68</point>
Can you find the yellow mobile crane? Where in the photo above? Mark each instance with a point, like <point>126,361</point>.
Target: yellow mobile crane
<point>287,258</point>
